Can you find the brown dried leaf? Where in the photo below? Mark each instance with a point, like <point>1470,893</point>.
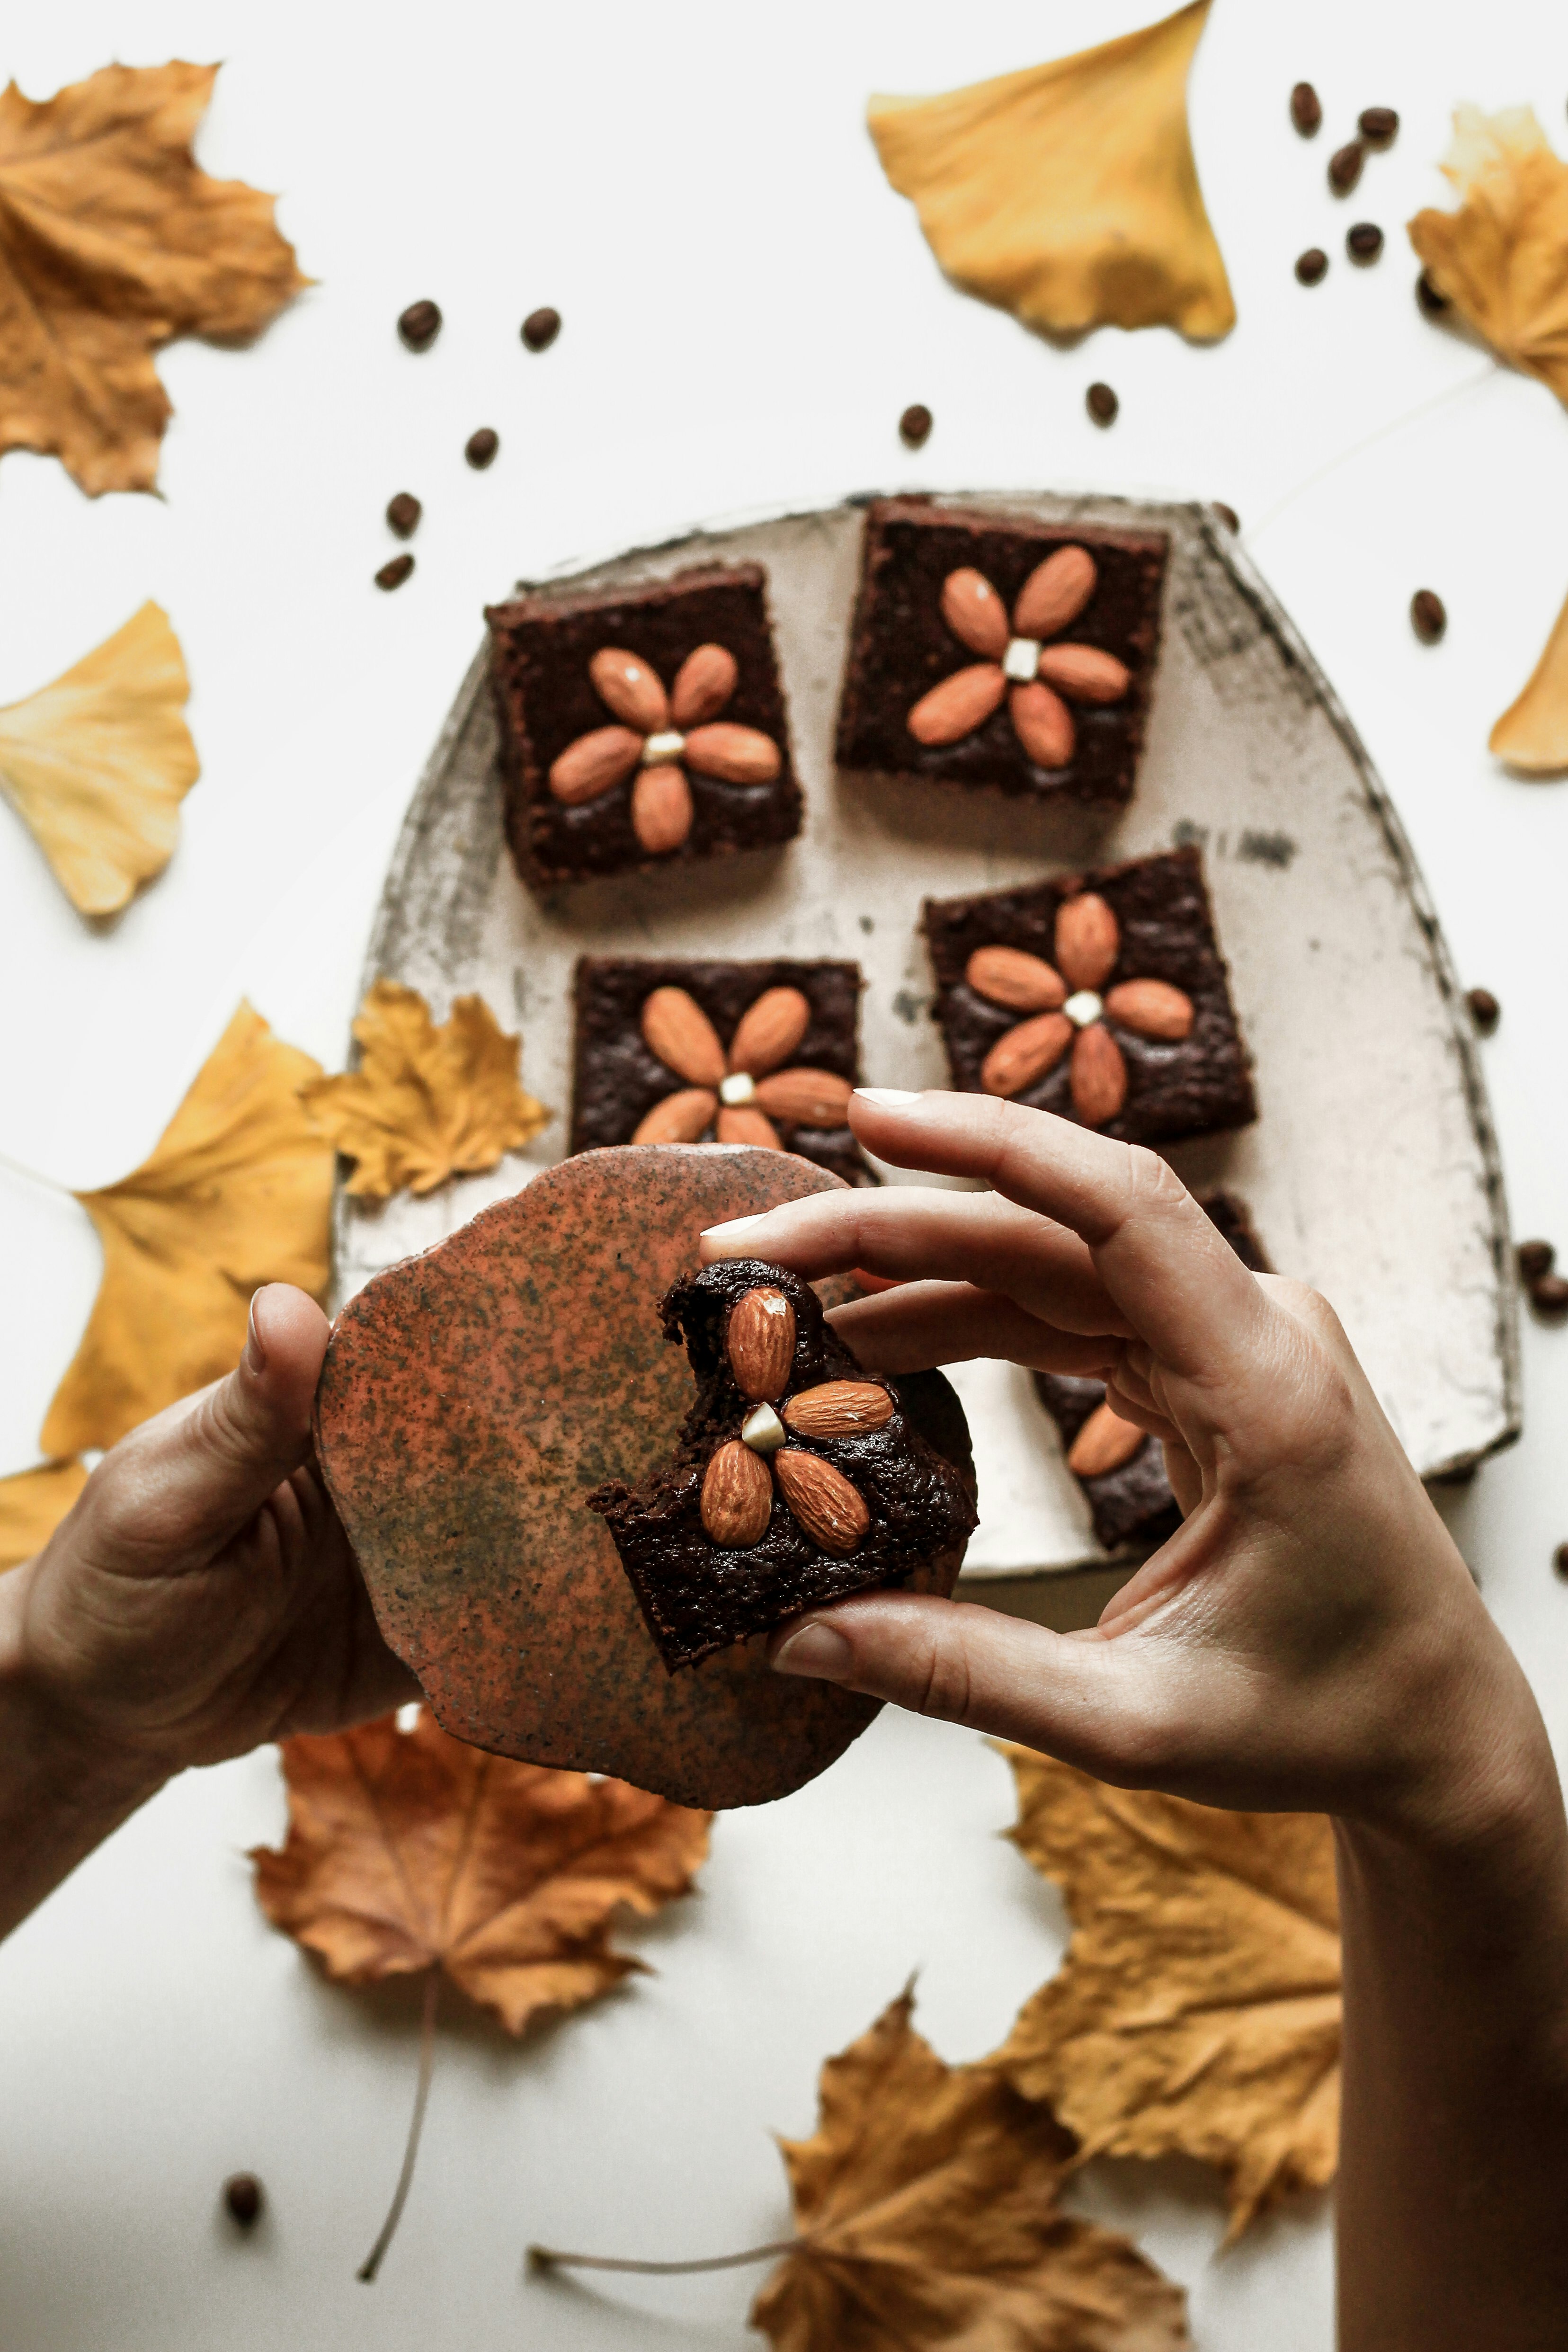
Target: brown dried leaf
<point>1198,2010</point>
<point>97,764</point>
<point>425,1103</point>
<point>111,243</point>
<point>925,2203</point>
<point>32,1505</point>
<point>408,1849</point>
<point>1532,733</point>
<point>1068,193</point>
<point>237,1191</point>
<point>1502,259</point>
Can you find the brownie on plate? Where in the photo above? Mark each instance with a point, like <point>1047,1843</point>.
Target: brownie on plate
<point>1009,654</point>
<point>679,1052</point>
<point>1102,996</point>
<point>798,1477</point>
<point>1121,1469</point>
<point>642,726</point>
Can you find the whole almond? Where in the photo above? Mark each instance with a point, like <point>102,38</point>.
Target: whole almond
<point>1042,725</point>
<point>1098,1076</point>
<point>628,688</point>
<point>737,1496</point>
<point>736,755</point>
<point>769,1031</point>
<point>1104,1443</point>
<point>805,1097</point>
<point>760,1341</point>
<point>704,684</point>
<point>974,613</point>
<point>1055,593</point>
<point>958,705</point>
<point>1023,983</point>
<point>593,764</point>
<point>1088,940</point>
<point>1152,1008</point>
<point>838,1409</point>
<point>676,1030</point>
<point>1026,1053</point>
<point>684,1117</point>
<point>740,1123</point>
<point>831,1510</point>
<point>661,808</point>
<point>1085,673</point>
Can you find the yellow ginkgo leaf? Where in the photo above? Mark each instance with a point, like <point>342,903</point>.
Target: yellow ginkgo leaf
<point>425,1103</point>
<point>1502,259</point>
<point>238,1192</point>
<point>32,1505</point>
<point>1068,193</point>
<point>97,764</point>
<point>1532,733</point>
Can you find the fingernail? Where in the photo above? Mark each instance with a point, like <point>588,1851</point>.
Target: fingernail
<point>887,1097</point>
<point>816,1650</point>
<point>254,1353</point>
<point>735,1226</point>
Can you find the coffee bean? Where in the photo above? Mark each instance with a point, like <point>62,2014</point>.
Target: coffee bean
<point>244,2196</point>
<point>1312,267</point>
<point>1365,242</point>
<point>1101,403</point>
<point>419,325</point>
<point>1344,167</point>
<point>394,573</point>
<point>1485,1010</point>
<point>1227,515</point>
<point>1306,109</point>
<point>1378,124</point>
<point>1549,1295</point>
<point>1428,615</point>
<point>1560,1561</point>
<point>480,447</point>
<point>403,514</point>
<point>1433,303</point>
<point>914,426</point>
<point>1534,1259</point>
<point>540,329</point>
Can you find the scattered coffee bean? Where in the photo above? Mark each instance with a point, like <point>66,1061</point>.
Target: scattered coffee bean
<point>419,325</point>
<point>1306,109</point>
<point>1312,267</point>
<point>480,447</point>
<point>1378,125</point>
<point>1227,515</point>
<point>1428,615</point>
<point>1433,303</point>
<point>394,573</point>
<point>1344,167</point>
<point>1365,242</point>
<point>1560,1561</point>
<point>1549,1296</point>
<point>403,514</point>
<point>1534,1259</point>
<point>244,2196</point>
<point>1485,1010</point>
<point>540,329</point>
<point>1101,403</point>
<point>914,426</point>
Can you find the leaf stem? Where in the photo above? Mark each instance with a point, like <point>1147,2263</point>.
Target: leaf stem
<point>372,2263</point>
<point>550,2258</point>
<point>34,1176</point>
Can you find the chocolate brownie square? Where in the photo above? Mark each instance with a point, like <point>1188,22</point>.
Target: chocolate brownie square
<point>676,1052</point>
<point>1129,1499</point>
<point>642,727</point>
<point>1017,657</point>
<point>798,1477</point>
<point>1101,996</point>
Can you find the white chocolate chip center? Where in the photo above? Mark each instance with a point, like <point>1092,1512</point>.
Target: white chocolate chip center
<point>739,1087</point>
<point>658,751</point>
<point>1022,659</point>
<point>763,1430</point>
<point>1083,1008</point>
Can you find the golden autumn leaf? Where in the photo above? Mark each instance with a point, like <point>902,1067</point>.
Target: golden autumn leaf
<point>238,1192</point>
<point>97,764</point>
<point>112,241</point>
<point>1502,259</point>
<point>409,1851</point>
<point>1068,193</point>
<point>32,1505</point>
<point>1532,733</point>
<point>1198,2010</point>
<point>925,2210</point>
<point>425,1103</point>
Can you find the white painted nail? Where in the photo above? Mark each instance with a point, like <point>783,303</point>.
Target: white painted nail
<point>735,1226</point>
<point>887,1097</point>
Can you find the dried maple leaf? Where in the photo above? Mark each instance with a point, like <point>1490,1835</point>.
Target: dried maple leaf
<point>238,1192</point>
<point>1532,733</point>
<point>97,764</point>
<point>408,1849</point>
<point>925,2207</point>
<point>1502,259</point>
<point>1198,2008</point>
<point>112,241</point>
<point>425,1103</point>
<point>32,1505</point>
<point>1068,193</point>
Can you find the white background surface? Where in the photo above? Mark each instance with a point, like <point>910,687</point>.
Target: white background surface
<point>748,309</point>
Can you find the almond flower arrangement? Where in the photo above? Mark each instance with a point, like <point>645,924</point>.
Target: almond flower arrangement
<point>735,1098</point>
<point>657,735</point>
<point>738,1484</point>
<point>1018,661</point>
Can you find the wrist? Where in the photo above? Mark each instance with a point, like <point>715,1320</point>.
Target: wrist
<point>43,1733</point>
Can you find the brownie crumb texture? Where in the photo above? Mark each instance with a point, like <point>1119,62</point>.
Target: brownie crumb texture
<point>798,1477</point>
